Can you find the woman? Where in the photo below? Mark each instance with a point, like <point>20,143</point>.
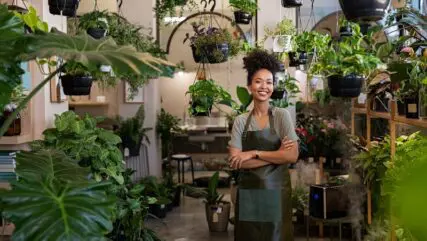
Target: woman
<point>262,144</point>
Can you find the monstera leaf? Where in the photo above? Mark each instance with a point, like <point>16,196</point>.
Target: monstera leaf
<point>55,201</point>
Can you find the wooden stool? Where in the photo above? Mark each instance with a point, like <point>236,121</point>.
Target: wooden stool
<point>180,159</point>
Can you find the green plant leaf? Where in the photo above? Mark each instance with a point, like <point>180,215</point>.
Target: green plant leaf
<point>53,164</point>
<point>243,95</point>
<point>43,210</point>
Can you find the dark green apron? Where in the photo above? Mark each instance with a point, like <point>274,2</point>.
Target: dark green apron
<point>264,207</point>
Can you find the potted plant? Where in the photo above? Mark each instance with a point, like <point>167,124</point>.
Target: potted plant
<point>305,44</point>
<point>154,188</point>
<point>77,79</point>
<point>217,210</point>
<point>244,10</point>
<point>212,45</point>
<point>63,7</point>
<point>204,95</point>
<point>14,129</point>
<point>94,23</point>
<point>299,204</point>
<point>167,126</point>
<point>132,132</point>
<point>365,10</point>
<point>291,3</point>
<point>282,35</point>
<point>166,8</point>
<point>323,97</point>
<point>346,64</point>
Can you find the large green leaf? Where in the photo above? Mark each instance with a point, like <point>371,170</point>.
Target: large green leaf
<point>52,211</point>
<point>53,164</point>
<point>243,95</point>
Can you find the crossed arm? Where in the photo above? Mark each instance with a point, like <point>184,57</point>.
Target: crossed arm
<point>287,153</point>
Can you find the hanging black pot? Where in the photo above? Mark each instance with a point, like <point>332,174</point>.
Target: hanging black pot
<point>278,94</point>
<point>208,53</point>
<point>133,146</point>
<point>76,84</point>
<point>297,58</point>
<point>345,86</point>
<point>242,17</point>
<point>291,3</point>
<point>364,10</point>
<point>303,58</point>
<point>346,31</point>
<point>68,7</point>
<point>411,107</point>
<point>96,33</point>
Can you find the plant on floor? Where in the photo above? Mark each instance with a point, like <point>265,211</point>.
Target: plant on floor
<point>17,46</point>
<point>167,126</point>
<point>92,146</point>
<point>157,189</point>
<point>247,6</point>
<point>131,211</point>
<point>132,131</point>
<point>56,199</point>
<point>204,95</point>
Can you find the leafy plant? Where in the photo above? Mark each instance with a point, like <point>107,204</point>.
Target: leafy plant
<point>311,41</point>
<point>168,7</point>
<point>248,6</point>
<point>284,27</point>
<point>95,19</point>
<point>349,56</point>
<point>55,198</point>
<point>17,47</point>
<point>323,97</point>
<point>167,126</point>
<point>299,199</point>
<point>205,94</point>
<point>83,141</point>
<point>212,36</point>
<point>33,21</point>
<point>156,189</point>
<point>131,211</point>
<point>209,195</point>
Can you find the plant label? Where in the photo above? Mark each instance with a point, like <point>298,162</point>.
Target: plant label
<point>162,206</point>
<point>215,218</point>
<point>310,159</point>
<point>219,210</point>
<point>126,152</point>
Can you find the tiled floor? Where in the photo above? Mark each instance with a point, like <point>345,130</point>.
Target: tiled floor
<point>188,223</point>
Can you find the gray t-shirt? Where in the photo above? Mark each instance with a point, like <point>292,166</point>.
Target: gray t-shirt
<point>282,124</point>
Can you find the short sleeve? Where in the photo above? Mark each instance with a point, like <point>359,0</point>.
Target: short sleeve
<point>287,127</point>
<point>236,133</point>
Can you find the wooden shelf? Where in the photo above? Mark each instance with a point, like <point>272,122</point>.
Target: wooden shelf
<point>15,140</point>
<point>412,122</point>
<point>382,115</point>
<point>87,103</point>
<point>358,110</point>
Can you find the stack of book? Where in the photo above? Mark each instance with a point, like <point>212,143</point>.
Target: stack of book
<point>7,166</point>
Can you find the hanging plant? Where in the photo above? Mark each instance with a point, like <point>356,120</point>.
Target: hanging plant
<point>305,44</point>
<point>94,23</point>
<point>291,3</point>
<point>77,79</point>
<point>282,35</point>
<point>212,45</point>
<point>32,22</point>
<point>346,64</point>
<point>66,8</point>
<point>244,10</point>
<point>167,8</point>
<point>364,10</point>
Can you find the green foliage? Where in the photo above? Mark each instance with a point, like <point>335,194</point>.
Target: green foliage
<point>323,97</point>
<point>10,70</point>
<point>299,199</point>
<point>311,41</point>
<point>95,19</point>
<point>167,126</point>
<point>284,27</point>
<point>32,20</point>
<point>205,94</point>
<point>210,195</point>
<point>166,8</point>
<point>349,56</point>
<point>248,6</point>
<point>54,200</point>
<point>83,141</point>
<point>131,210</point>
<point>154,188</point>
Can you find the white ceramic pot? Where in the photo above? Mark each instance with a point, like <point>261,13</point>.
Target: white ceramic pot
<point>282,43</point>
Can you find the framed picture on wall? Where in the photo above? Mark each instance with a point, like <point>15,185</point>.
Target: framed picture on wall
<point>133,98</point>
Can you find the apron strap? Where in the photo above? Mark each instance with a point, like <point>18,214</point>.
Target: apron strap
<point>249,119</point>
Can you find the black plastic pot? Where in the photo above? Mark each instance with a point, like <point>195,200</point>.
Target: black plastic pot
<point>134,147</point>
<point>68,7</point>
<point>364,10</point>
<point>176,201</point>
<point>297,58</point>
<point>303,58</point>
<point>96,33</point>
<point>346,31</point>
<point>291,3</point>
<point>242,17</point>
<point>411,107</point>
<point>400,107</point>
<point>76,84</point>
<point>345,86</point>
<point>207,53</point>
<point>277,94</point>
<point>158,210</point>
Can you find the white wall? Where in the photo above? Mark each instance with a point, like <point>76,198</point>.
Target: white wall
<point>141,13</point>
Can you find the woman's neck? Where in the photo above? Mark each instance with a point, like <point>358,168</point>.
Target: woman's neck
<point>260,108</point>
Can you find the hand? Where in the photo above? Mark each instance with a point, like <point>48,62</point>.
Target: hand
<point>287,144</point>
<point>237,160</point>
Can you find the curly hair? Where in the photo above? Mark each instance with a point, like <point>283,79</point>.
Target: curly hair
<point>260,59</point>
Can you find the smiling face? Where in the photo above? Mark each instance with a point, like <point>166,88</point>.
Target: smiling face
<point>261,86</point>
